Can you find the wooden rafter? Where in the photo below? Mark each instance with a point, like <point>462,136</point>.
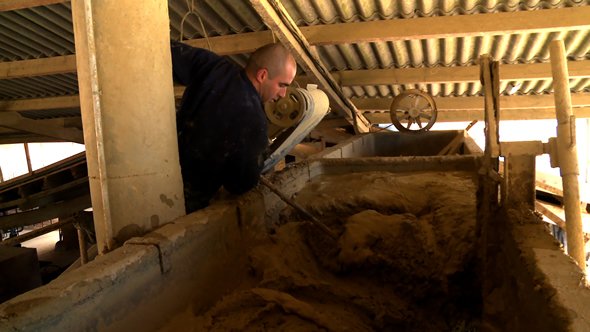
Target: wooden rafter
<point>470,115</point>
<point>477,103</point>
<point>51,128</point>
<point>367,104</point>
<point>383,30</point>
<point>436,75</point>
<point>6,5</point>
<point>38,67</point>
<point>562,19</point>
<point>277,18</point>
<point>39,103</point>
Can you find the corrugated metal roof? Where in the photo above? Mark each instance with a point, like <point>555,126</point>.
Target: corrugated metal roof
<point>36,32</point>
<point>47,31</point>
<point>39,86</point>
<point>51,114</point>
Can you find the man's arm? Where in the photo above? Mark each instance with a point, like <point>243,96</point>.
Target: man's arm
<point>190,63</point>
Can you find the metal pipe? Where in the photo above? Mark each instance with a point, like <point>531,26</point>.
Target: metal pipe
<point>83,249</point>
<point>36,233</point>
<point>567,153</point>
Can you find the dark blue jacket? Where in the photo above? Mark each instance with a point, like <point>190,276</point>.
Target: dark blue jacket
<point>222,128</point>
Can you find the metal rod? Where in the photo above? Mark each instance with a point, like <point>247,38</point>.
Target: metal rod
<point>567,153</point>
<point>83,249</point>
<point>36,233</point>
<point>300,209</point>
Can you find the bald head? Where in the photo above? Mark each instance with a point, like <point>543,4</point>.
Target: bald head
<point>271,69</point>
<point>272,57</point>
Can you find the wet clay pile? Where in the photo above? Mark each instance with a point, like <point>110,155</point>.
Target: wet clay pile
<point>404,261</point>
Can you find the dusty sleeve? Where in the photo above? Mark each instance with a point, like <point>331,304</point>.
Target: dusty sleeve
<point>191,63</point>
<point>243,168</point>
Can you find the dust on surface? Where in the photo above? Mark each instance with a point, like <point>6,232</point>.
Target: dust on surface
<point>405,260</point>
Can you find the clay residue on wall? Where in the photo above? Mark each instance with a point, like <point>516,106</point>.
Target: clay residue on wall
<point>405,260</point>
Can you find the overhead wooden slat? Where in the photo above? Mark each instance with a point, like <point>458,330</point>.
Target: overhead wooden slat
<point>37,67</point>
<point>399,29</point>
<point>538,21</point>
<point>435,75</point>
<point>234,44</point>
<point>365,104</point>
<point>51,128</point>
<point>470,115</point>
<point>40,103</point>
<point>477,103</point>
<point>20,4</point>
<point>276,17</point>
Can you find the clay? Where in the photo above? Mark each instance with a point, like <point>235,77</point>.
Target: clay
<point>405,260</point>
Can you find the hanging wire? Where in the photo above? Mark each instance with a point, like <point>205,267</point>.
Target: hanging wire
<point>191,10</point>
<point>272,33</point>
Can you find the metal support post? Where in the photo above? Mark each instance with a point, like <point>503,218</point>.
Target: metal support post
<point>567,153</point>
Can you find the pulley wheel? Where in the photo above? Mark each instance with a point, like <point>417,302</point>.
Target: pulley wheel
<point>287,111</point>
<point>413,111</point>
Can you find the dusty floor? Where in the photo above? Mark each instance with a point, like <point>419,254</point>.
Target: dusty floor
<point>404,261</point>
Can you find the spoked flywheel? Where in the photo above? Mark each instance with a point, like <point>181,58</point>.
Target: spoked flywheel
<point>413,111</point>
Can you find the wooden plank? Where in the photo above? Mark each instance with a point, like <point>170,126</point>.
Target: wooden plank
<point>470,115</point>
<point>520,22</point>
<point>541,207</point>
<point>27,138</point>
<point>581,99</point>
<point>276,17</point>
<point>6,5</point>
<point>63,209</point>
<point>453,146</point>
<point>44,193</point>
<point>249,42</point>
<point>234,44</point>
<point>36,233</point>
<point>539,107</point>
<point>438,75</point>
<point>330,135</point>
<point>40,104</point>
<point>70,162</point>
<point>52,127</point>
<point>553,183</point>
<point>47,66</point>
<point>333,122</point>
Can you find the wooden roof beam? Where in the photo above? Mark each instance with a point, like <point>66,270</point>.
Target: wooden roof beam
<point>477,103</point>
<point>538,103</point>
<point>361,32</point>
<point>537,21</point>
<point>276,17</point>
<point>51,128</point>
<point>435,75</point>
<point>470,115</point>
<point>6,5</point>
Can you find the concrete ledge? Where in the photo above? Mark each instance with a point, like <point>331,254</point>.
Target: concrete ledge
<point>536,286</point>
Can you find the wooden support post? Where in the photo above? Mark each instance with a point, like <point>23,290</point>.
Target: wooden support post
<point>567,154</point>
<point>128,115</point>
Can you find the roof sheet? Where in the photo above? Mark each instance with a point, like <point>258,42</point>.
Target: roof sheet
<point>47,31</point>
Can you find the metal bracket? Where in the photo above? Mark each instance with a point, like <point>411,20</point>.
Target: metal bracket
<point>164,247</point>
<point>551,149</point>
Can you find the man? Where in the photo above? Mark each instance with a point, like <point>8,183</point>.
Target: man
<point>221,124</point>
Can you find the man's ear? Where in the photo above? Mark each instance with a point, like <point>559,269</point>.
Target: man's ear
<point>261,75</point>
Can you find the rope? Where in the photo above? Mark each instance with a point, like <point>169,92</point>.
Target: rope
<point>191,10</point>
